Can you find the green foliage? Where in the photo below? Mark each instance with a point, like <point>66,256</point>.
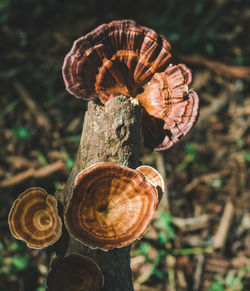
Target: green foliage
<point>145,250</point>
<point>217,285</point>
<point>245,156</point>
<point>191,155</point>
<point>21,132</point>
<point>4,15</point>
<point>12,257</point>
<point>232,282</point>
<point>164,224</point>
<point>17,245</point>
<point>20,262</point>
<point>68,160</point>
<point>9,108</point>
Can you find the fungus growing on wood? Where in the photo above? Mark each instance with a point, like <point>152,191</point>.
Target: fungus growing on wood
<point>111,206</point>
<point>73,273</point>
<point>154,177</point>
<point>123,58</point>
<point>34,218</point>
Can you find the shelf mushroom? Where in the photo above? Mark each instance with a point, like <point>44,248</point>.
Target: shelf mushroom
<point>123,58</point>
<point>111,206</point>
<point>34,218</point>
<point>154,177</point>
<point>73,273</point>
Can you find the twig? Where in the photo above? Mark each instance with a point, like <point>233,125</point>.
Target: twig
<point>182,283</point>
<point>218,67</point>
<point>192,223</point>
<point>206,178</point>
<point>171,273</point>
<point>215,107</point>
<point>217,264</point>
<point>9,108</point>
<point>39,114</point>
<point>192,251</point>
<point>48,170</point>
<point>35,173</point>
<point>225,223</point>
<point>160,165</point>
<point>198,272</point>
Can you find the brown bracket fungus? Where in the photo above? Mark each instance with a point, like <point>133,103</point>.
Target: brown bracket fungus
<point>111,206</point>
<point>123,58</point>
<point>154,177</point>
<point>74,273</point>
<point>34,218</point>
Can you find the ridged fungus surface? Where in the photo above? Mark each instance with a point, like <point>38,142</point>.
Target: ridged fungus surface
<point>34,218</point>
<point>111,206</point>
<point>74,273</point>
<point>154,177</point>
<point>123,58</point>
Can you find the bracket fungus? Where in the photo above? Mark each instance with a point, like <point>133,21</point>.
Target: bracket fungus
<point>154,177</point>
<point>123,58</point>
<point>73,273</point>
<point>34,218</point>
<point>111,206</point>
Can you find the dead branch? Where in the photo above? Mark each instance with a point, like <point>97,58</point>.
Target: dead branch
<point>32,173</point>
<point>219,68</point>
<point>41,117</point>
<point>225,223</point>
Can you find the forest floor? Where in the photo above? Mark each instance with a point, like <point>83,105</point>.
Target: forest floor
<point>199,238</point>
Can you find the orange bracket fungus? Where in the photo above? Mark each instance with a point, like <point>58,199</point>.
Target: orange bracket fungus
<point>34,218</point>
<point>123,58</point>
<point>154,177</point>
<point>111,206</point>
<point>73,273</point>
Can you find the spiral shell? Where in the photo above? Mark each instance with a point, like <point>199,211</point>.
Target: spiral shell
<point>111,206</point>
<point>34,218</point>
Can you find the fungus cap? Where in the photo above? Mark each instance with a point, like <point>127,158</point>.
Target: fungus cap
<point>123,58</point>
<point>74,273</point>
<point>34,218</point>
<point>154,177</point>
<point>111,206</point>
<point>114,59</point>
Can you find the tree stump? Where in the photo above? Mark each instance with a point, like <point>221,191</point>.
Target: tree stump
<point>111,133</point>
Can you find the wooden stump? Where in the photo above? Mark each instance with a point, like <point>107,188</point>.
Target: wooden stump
<point>111,133</point>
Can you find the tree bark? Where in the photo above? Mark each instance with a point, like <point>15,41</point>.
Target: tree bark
<point>111,133</point>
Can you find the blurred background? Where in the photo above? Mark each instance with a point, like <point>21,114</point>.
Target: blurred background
<point>207,173</point>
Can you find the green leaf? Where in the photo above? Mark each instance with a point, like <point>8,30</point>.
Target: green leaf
<point>20,263</point>
<point>3,4</point>
<point>245,156</point>
<point>239,59</point>
<point>21,132</point>
<point>164,222</point>
<point>163,237</point>
<point>16,245</point>
<point>69,163</point>
<point>217,285</point>
<point>157,272</point>
<point>144,250</point>
<point>1,246</point>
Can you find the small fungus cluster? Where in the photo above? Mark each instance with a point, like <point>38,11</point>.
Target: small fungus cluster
<point>111,205</point>
<point>123,58</point>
